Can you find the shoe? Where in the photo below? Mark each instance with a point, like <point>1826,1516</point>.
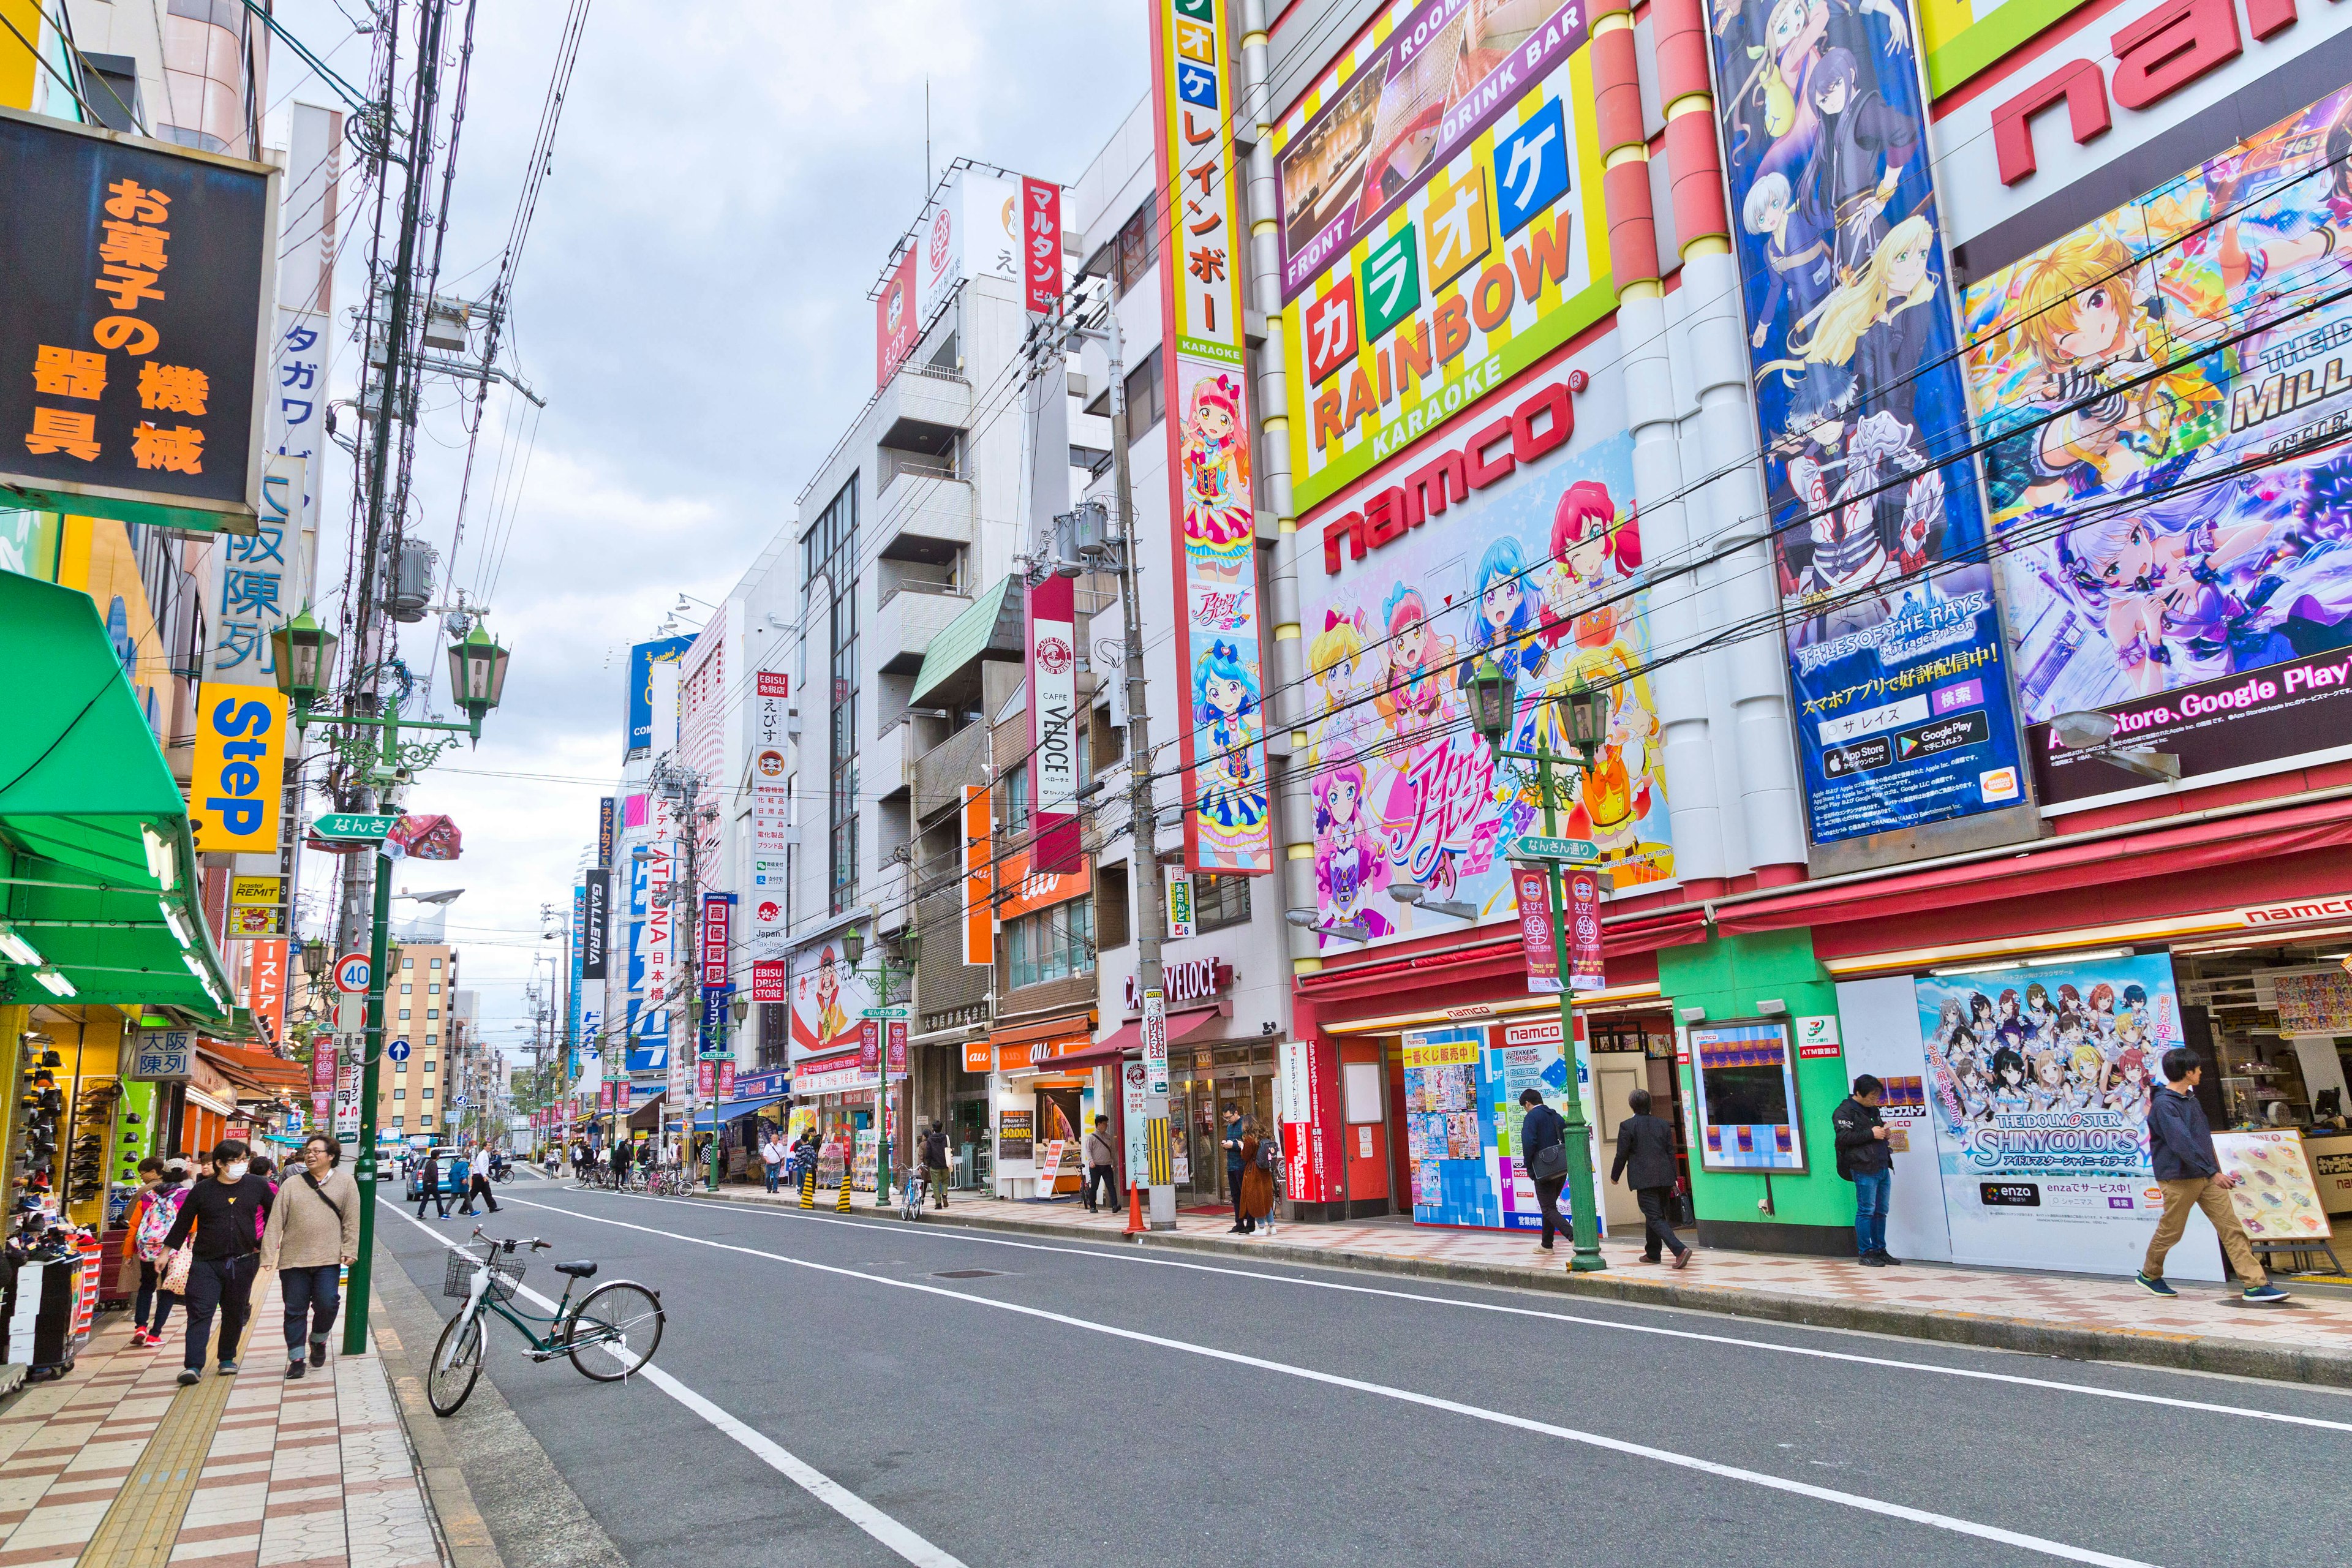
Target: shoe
<point>1682,1259</point>
<point>139,1340</point>
<point>295,1369</point>
<point>1871,1260</point>
<point>2264,1293</point>
<point>318,1353</point>
<point>190,1377</point>
<point>1645,1258</point>
<point>1889,1258</point>
<point>2155,1287</point>
<point>1236,1230</point>
<point>229,1369</point>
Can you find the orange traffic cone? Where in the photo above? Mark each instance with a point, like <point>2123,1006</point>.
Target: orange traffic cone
<point>1134,1226</point>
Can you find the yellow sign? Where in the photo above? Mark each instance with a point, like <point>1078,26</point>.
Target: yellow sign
<point>240,769</point>
<point>257,922</point>
<point>1438,1052</point>
<point>257,890</point>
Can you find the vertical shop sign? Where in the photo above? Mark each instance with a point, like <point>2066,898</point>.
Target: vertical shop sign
<point>896,324</point>
<point>1227,826</point>
<point>979,877</point>
<point>1531,890</point>
<point>1583,915</point>
<point>257,579</point>
<point>1180,903</point>
<point>267,997</point>
<point>768,981</point>
<point>1053,716</point>
<point>1155,1042</point>
<point>595,924</point>
<point>1133,1084</point>
<point>1041,244</point>
<point>605,828</point>
<point>238,776</point>
<point>718,937</point>
<point>1894,642</point>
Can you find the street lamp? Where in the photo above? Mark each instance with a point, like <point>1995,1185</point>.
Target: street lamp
<point>478,674</point>
<point>742,1009</point>
<point>853,947</point>
<point>305,654</point>
<point>1580,714</point>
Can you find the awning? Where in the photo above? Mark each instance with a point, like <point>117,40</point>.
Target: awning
<point>970,634</point>
<point>94,845</point>
<point>1130,1037</point>
<point>733,1109</point>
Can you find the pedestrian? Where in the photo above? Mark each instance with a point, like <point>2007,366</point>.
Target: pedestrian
<point>620,1152</point>
<point>1645,1163</point>
<point>218,1213</point>
<point>1866,1159</point>
<point>935,1164</point>
<point>1233,1164</point>
<point>1257,1182</point>
<point>2181,1146</point>
<point>314,1231</point>
<point>461,1180</point>
<point>1269,1160</point>
<point>1543,1154</point>
<point>772,1154</point>
<point>264,1170</point>
<point>428,1187</point>
<point>1101,1165</point>
<point>152,1182</point>
<point>480,1184</point>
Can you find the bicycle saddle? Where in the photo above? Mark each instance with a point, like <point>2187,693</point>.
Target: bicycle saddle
<point>577,1270</point>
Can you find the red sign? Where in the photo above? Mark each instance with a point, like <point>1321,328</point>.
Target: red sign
<point>726,1080</point>
<point>893,321</point>
<point>768,981</point>
<point>870,1047</point>
<point>267,994</point>
<point>1530,885</point>
<point>1584,972</point>
<point>718,933</point>
<point>776,683</point>
<point>704,1077</point>
<point>322,1076</point>
<point>1829,1048</point>
<point>1041,244</point>
<point>898,1047</point>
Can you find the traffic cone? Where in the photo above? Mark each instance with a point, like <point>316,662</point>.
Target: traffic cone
<point>1134,1226</point>
<point>808,1188</point>
<point>841,1205</point>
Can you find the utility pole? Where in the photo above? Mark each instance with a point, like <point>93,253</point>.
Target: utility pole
<point>682,787</point>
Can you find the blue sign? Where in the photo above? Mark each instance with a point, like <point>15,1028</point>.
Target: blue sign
<point>398,1050</point>
<point>643,657</point>
<point>1530,168</point>
<point>572,940</point>
<point>648,1035</point>
<point>715,1000</point>
<point>1898,668</point>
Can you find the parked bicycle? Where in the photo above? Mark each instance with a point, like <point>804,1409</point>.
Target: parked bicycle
<point>912,1191</point>
<point>609,1333</point>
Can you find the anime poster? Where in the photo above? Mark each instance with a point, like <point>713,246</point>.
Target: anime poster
<point>828,1000</point>
<point>1904,714</point>
<point>1539,571</point>
<point>1228,821</point>
<point>2038,1081</point>
<point>1441,225</point>
<point>1462,1089</point>
<point>2169,396</point>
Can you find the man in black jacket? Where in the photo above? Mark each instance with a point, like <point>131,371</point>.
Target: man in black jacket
<point>1543,1155</point>
<point>428,1187</point>
<point>1645,1163</point>
<point>223,1212</point>
<point>1866,1159</point>
<point>2181,1146</point>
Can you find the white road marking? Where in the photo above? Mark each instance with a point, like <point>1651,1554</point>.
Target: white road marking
<point>948,1233</point>
<point>816,1482</point>
<point>1945,1522</point>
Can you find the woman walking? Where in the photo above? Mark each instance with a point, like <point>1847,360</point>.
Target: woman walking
<point>218,1213</point>
<point>1257,1181</point>
<point>314,1231</point>
<point>152,1182</point>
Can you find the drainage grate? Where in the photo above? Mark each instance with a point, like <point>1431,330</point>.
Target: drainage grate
<point>969,1274</point>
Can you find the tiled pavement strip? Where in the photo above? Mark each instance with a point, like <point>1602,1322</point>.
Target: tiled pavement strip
<point>2203,1329</point>
<point>115,1465</point>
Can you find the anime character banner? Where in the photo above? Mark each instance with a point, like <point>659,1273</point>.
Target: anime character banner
<point>828,1000</point>
<point>1442,227</point>
<point>2168,391</point>
<point>1538,570</point>
<point>1895,656</point>
<point>1228,823</point>
<point>2038,1081</point>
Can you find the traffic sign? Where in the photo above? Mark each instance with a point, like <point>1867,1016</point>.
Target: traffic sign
<point>351,1015</point>
<point>398,1050</point>
<point>1534,846</point>
<point>352,973</point>
<point>366,827</point>
<point>460,1102</point>
<point>895,1013</point>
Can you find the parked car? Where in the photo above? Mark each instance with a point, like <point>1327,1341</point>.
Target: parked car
<point>448,1186</point>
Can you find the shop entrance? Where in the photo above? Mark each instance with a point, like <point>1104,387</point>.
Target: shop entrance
<point>1630,1053</point>
<point>1213,1081</point>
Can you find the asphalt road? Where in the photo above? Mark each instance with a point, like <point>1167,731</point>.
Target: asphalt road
<point>834,1390</point>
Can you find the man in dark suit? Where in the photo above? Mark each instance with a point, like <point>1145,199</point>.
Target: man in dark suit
<point>1646,1161</point>
<point>428,1190</point>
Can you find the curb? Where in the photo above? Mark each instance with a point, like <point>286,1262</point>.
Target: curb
<point>2172,1352</point>
<point>465,1534</point>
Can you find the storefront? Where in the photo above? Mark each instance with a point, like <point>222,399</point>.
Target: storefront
<point>1044,1108</point>
<point>835,1094</point>
<point>757,1103</point>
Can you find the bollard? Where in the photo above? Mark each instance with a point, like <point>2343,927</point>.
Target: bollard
<point>841,1205</point>
<point>808,1188</point>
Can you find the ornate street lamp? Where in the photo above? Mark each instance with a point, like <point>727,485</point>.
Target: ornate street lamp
<point>1494,699</point>
<point>478,674</point>
<point>305,659</point>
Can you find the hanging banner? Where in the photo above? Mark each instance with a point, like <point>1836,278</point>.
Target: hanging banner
<point>1583,916</point>
<point>1041,244</point>
<point>870,1045</point>
<point>897,1028</point>
<point>1227,826</point>
<point>1894,641</point>
<point>1531,891</point>
<point>1180,902</point>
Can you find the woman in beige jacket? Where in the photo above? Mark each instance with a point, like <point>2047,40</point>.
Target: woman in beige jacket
<point>314,1231</point>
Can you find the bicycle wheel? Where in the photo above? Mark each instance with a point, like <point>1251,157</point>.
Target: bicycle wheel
<point>615,1330</point>
<point>456,1362</point>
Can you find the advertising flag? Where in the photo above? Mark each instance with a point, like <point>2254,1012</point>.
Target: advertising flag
<point>1040,244</point>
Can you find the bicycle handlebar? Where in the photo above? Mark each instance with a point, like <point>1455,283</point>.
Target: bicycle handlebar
<point>511,1243</point>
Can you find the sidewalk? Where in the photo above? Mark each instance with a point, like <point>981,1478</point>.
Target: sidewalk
<point>116,1465</point>
<point>2087,1317</point>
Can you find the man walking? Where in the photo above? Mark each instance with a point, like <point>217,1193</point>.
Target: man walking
<point>1645,1163</point>
<point>772,1155</point>
<point>1865,1159</point>
<point>477,1184</point>
<point>935,1164</point>
<point>2180,1141</point>
<point>222,1212</point>
<point>620,1151</point>
<point>1102,1164</point>
<point>428,1187</point>
<point>1543,1155</point>
<point>1233,1162</point>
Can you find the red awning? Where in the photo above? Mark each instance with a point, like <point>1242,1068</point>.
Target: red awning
<point>2171,853</point>
<point>1130,1037</point>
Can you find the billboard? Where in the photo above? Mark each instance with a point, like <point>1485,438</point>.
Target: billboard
<point>1227,822</point>
<point>827,997</point>
<point>139,279</point>
<point>1442,227</point>
<point>1041,244</point>
<point>596,924</point>
<point>234,787</point>
<point>972,229</point>
<point>2166,399</point>
<point>896,331</point>
<point>643,657</point>
<point>1536,567</point>
<point>1895,654</point>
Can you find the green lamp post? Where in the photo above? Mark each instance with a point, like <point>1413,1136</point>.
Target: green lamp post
<point>853,947</point>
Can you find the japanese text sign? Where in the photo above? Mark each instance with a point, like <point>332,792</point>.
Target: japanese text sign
<point>1530,885</point>
<point>1040,244</point>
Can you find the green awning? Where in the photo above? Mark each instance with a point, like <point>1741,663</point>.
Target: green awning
<point>94,845</point>
<point>969,636</point>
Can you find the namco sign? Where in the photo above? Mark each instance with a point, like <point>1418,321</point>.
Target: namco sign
<point>1543,421</point>
<point>2302,913</point>
<point>2156,57</point>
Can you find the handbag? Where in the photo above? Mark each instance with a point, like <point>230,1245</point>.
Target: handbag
<point>1549,1162</point>
<point>174,1277</point>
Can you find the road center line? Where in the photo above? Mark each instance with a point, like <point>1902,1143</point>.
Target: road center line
<point>807,1477</point>
<point>1953,1523</point>
<point>1110,1255</point>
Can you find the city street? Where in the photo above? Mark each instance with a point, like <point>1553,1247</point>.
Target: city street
<point>840,1390</point>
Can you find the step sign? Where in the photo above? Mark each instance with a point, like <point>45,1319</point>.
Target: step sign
<point>1534,847</point>
<point>353,824</point>
<point>895,1013</point>
<point>352,973</point>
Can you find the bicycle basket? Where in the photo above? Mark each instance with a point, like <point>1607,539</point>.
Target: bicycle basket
<point>458,1281</point>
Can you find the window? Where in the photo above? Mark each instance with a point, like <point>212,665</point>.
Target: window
<point>1052,944</point>
<point>1219,901</point>
<point>403,1012</point>
<point>408,963</point>
<point>437,964</point>
<point>1016,799</point>
<point>433,1012</point>
<point>435,988</point>
<point>1146,398</point>
<point>830,554</point>
<point>1111,907</point>
<point>429,1064</point>
<point>429,1092</point>
<point>1109,743</point>
<point>775,1033</point>
<point>405,988</point>
<point>400,1067</point>
<point>1136,249</point>
<point>400,1094</point>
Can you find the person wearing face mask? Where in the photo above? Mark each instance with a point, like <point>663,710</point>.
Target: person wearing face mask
<point>219,1213</point>
<point>314,1230</point>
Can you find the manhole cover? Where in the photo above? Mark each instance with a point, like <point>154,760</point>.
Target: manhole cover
<point>969,1274</point>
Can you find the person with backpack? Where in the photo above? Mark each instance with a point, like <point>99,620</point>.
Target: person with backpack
<point>149,1222</point>
<point>1866,1159</point>
<point>622,1150</point>
<point>461,1182</point>
<point>216,1222</point>
<point>935,1163</point>
<point>314,1231</point>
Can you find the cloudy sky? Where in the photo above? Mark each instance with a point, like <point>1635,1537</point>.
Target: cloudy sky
<point>726,184</point>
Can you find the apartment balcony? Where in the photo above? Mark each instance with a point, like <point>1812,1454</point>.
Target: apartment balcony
<point>884,772</point>
<point>925,510</point>
<point>910,614</point>
<point>919,401</point>
<point>940,774</point>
